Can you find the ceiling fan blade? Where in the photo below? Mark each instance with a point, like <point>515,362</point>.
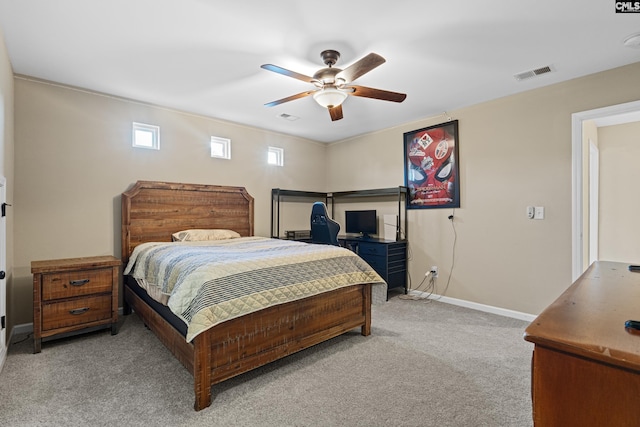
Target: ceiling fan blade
<point>335,113</point>
<point>287,73</point>
<point>385,95</point>
<point>360,67</point>
<point>289,98</point>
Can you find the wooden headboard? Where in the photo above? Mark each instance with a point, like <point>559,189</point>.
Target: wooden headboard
<point>152,211</point>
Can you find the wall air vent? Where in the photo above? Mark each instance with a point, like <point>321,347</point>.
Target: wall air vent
<point>534,73</point>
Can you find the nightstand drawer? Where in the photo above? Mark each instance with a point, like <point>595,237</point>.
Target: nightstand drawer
<point>76,312</point>
<point>73,294</point>
<point>76,283</point>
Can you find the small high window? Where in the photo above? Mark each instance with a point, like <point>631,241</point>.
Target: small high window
<point>146,136</point>
<point>275,156</point>
<point>220,147</point>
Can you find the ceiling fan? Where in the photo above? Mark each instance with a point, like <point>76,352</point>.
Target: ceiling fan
<point>334,85</point>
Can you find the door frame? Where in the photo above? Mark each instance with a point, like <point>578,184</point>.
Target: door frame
<point>577,156</point>
<point>594,202</point>
<point>3,267</point>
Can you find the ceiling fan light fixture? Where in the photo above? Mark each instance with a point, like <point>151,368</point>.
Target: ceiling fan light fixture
<point>633,41</point>
<point>329,97</point>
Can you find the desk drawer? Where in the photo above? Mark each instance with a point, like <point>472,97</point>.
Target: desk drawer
<point>76,312</point>
<point>365,249</point>
<point>388,258</point>
<point>76,283</point>
<point>398,253</point>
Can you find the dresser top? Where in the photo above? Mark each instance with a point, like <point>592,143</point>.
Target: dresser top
<point>71,264</point>
<point>588,318</point>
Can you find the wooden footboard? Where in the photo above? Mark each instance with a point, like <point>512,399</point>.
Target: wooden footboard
<point>245,343</point>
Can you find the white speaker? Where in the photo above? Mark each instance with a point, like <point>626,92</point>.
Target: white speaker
<point>390,227</point>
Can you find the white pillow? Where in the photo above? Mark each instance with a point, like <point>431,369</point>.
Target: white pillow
<point>197,235</point>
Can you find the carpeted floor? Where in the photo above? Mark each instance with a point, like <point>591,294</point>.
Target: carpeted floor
<point>425,364</point>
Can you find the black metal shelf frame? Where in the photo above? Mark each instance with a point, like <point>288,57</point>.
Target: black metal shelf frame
<point>330,198</point>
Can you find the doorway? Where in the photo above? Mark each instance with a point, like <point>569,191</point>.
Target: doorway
<point>615,114</point>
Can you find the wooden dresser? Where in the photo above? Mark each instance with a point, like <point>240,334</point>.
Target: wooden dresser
<point>586,365</point>
<point>73,294</point>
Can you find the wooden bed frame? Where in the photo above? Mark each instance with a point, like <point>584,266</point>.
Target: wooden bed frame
<point>152,211</point>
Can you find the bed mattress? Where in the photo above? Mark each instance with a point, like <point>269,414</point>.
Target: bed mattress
<point>164,311</point>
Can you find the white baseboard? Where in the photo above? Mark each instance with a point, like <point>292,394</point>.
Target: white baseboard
<point>3,356</point>
<point>22,329</point>
<point>477,306</point>
<point>25,328</point>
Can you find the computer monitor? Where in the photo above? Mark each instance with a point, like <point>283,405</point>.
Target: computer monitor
<point>361,222</point>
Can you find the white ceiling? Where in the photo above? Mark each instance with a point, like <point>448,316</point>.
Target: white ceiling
<point>204,56</point>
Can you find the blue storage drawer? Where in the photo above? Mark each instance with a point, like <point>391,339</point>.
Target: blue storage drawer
<point>387,258</point>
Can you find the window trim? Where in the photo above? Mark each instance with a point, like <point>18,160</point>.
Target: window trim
<point>279,156</point>
<point>143,127</point>
<point>226,147</point>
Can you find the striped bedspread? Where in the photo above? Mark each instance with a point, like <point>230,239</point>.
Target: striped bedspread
<point>210,282</point>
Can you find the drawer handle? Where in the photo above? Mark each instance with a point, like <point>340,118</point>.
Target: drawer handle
<point>77,311</point>
<point>79,282</point>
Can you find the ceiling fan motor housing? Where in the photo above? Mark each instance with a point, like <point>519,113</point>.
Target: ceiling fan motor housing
<point>330,57</point>
<point>326,77</point>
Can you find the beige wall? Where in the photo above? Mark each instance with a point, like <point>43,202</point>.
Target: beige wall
<point>619,212</point>
<point>74,158</point>
<point>514,152</point>
<point>6,161</point>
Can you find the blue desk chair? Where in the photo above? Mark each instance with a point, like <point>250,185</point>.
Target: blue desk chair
<point>324,230</point>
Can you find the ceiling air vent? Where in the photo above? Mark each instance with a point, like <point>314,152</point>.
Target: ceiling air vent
<point>533,73</point>
<point>288,117</point>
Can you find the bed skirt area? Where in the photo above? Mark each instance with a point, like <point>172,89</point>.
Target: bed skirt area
<point>159,308</point>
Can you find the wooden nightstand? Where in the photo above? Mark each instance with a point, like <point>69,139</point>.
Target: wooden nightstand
<point>73,294</point>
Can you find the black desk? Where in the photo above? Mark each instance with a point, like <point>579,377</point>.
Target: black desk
<point>387,257</point>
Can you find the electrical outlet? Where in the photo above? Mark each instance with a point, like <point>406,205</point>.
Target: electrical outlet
<point>531,212</point>
<point>434,271</point>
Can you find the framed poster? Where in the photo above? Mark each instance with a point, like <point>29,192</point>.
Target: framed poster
<point>431,167</point>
